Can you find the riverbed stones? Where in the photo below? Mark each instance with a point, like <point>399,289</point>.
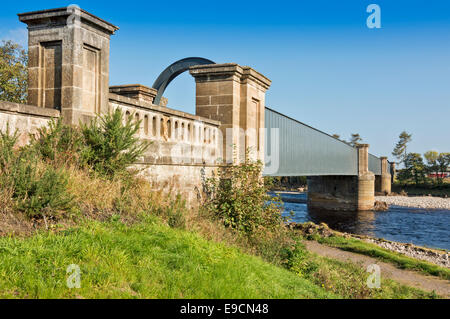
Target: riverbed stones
<point>381,206</point>
<point>424,202</point>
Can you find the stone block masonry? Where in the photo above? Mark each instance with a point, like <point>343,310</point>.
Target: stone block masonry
<point>235,96</point>
<point>68,62</point>
<point>183,147</point>
<point>383,182</point>
<point>26,119</point>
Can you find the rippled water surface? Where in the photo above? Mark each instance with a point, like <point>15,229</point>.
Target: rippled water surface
<point>430,228</point>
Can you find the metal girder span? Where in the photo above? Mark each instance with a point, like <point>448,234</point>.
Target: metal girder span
<point>293,148</point>
<point>374,164</point>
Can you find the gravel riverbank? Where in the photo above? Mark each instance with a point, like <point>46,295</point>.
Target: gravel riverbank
<point>418,202</point>
<point>435,256</point>
<point>440,258</point>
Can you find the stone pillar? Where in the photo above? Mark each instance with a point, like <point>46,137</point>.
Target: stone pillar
<point>366,180</point>
<point>393,172</point>
<point>235,96</point>
<point>383,182</point>
<point>139,92</point>
<point>68,62</point>
<point>386,178</point>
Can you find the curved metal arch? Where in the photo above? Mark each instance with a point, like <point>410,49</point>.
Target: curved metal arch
<point>175,69</point>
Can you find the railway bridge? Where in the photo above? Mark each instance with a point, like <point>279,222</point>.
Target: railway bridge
<point>69,74</point>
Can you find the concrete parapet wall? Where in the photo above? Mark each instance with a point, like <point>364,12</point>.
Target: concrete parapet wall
<point>186,180</point>
<point>26,119</point>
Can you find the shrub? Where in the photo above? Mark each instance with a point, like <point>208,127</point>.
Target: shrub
<point>38,190</point>
<point>7,143</point>
<point>45,195</point>
<point>61,144</point>
<point>107,144</point>
<point>112,144</point>
<point>174,212</point>
<point>239,198</point>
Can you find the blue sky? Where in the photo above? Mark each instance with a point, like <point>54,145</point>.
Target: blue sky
<point>328,69</point>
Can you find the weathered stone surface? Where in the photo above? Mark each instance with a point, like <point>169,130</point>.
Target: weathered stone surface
<point>69,61</point>
<point>186,180</point>
<point>235,95</point>
<point>366,180</point>
<point>25,119</point>
<point>135,91</point>
<point>176,137</point>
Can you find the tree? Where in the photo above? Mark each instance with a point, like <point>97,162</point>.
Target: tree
<point>355,139</point>
<point>432,161</point>
<point>443,162</point>
<point>13,72</point>
<point>336,136</point>
<point>414,167</point>
<point>400,150</point>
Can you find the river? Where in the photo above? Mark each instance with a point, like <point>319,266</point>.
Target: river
<point>422,227</point>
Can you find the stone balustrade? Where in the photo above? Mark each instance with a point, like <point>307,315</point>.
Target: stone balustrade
<point>175,137</point>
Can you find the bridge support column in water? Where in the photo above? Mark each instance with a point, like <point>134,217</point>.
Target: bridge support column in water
<point>383,182</point>
<point>350,193</point>
<point>393,173</point>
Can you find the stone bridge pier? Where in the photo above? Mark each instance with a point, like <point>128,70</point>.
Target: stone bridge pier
<point>344,193</point>
<point>383,182</point>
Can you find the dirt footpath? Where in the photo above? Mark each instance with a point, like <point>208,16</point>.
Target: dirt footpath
<point>406,277</point>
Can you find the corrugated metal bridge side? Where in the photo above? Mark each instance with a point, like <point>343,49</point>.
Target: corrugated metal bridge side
<point>306,151</point>
<point>374,164</point>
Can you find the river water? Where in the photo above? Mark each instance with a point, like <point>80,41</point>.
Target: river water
<point>422,227</point>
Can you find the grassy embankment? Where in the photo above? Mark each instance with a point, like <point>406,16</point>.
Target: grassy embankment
<point>149,259</point>
<point>144,260</point>
<point>400,261</point>
<point>67,199</point>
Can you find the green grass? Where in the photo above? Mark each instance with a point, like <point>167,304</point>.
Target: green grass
<point>347,279</point>
<point>145,260</point>
<point>151,260</point>
<point>401,261</point>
